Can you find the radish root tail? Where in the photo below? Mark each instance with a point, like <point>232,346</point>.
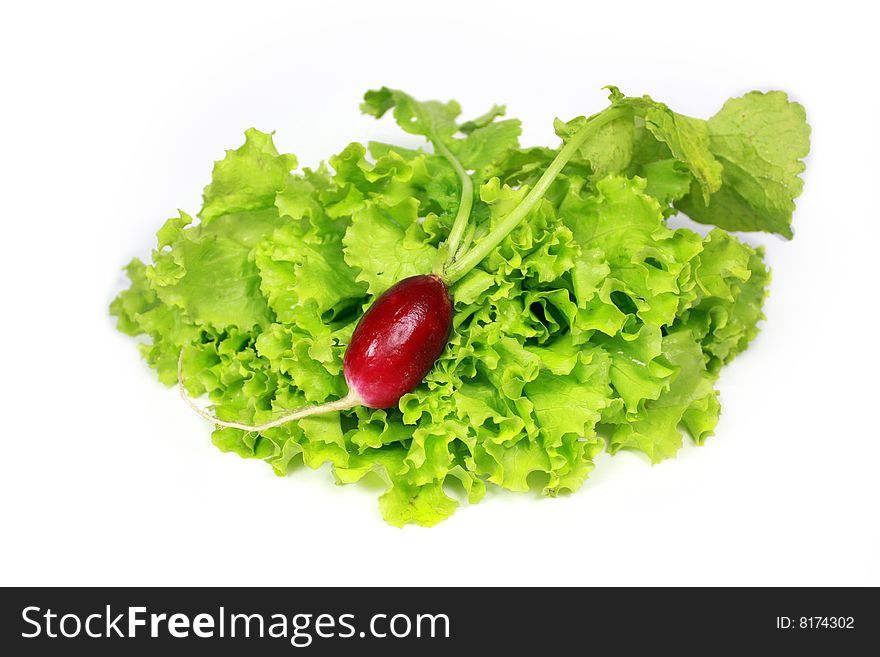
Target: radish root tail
<point>351,400</point>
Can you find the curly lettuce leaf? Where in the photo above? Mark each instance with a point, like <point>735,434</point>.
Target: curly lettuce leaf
<point>654,429</point>
<point>385,244</point>
<point>218,282</point>
<point>247,178</point>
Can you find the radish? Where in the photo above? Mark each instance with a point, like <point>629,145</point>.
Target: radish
<point>403,333</point>
<point>392,348</point>
<point>397,340</point>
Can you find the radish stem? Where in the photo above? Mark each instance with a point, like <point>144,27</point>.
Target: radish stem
<point>465,204</point>
<point>349,401</point>
<point>481,249</point>
<point>465,243</point>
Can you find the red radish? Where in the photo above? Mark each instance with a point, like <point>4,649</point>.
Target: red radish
<point>392,348</point>
<point>397,340</point>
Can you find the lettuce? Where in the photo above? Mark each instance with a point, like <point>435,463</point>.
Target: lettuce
<point>591,326</point>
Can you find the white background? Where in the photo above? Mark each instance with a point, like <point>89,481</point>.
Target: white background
<point>111,119</point>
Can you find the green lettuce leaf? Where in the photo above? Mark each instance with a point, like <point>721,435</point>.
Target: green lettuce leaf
<point>386,244</point>
<point>247,178</point>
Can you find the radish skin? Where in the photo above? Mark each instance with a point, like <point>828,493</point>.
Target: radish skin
<point>398,339</point>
